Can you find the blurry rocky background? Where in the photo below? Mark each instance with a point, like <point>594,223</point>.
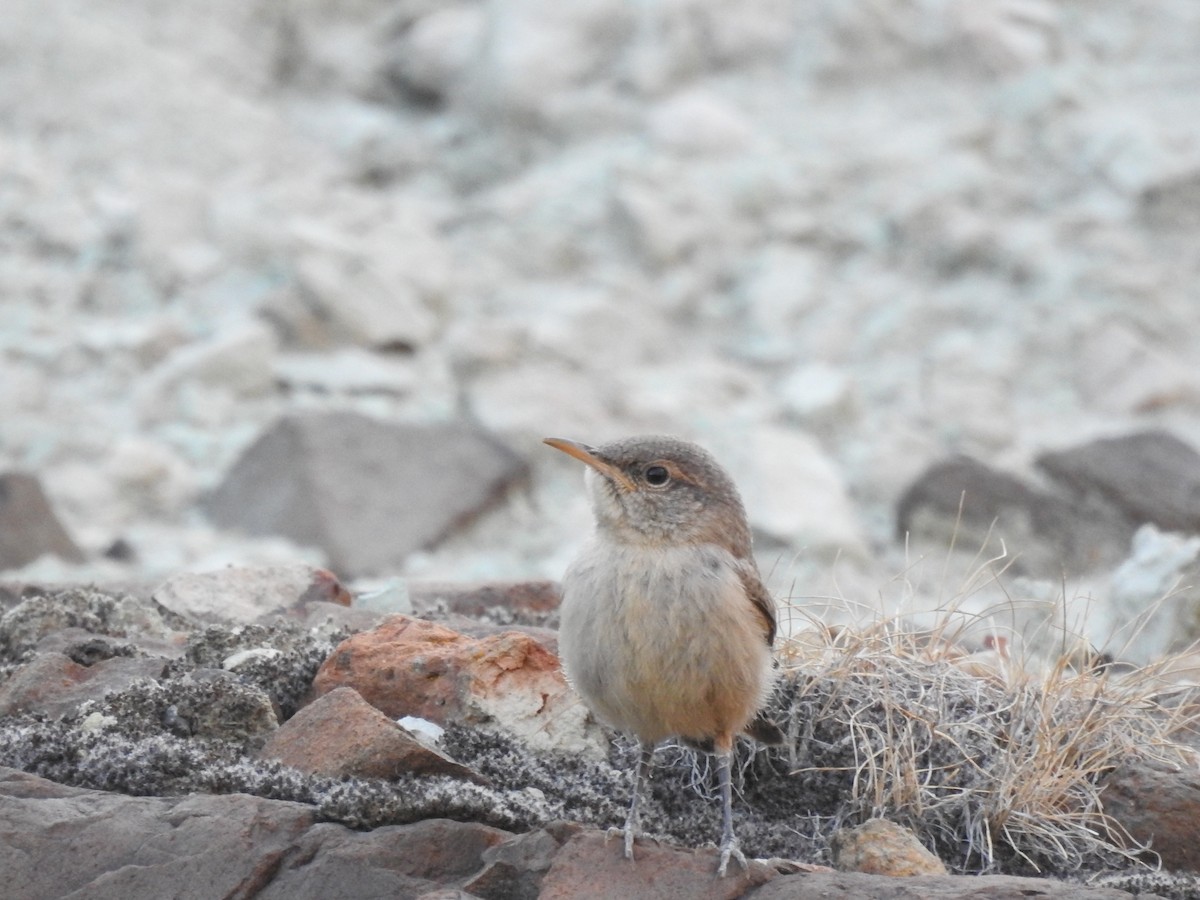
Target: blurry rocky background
<point>301,280</point>
<point>291,291</point>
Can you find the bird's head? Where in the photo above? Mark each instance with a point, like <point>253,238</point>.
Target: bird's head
<point>662,490</point>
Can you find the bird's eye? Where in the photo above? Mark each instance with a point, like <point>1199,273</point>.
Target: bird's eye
<point>657,476</point>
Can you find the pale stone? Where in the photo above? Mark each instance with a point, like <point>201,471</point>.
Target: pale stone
<point>438,49</point>
<point>793,492</point>
<point>817,392</point>
<point>699,122</point>
<point>1119,370</point>
<point>1154,604</point>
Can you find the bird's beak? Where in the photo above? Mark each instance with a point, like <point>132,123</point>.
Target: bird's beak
<point>586,454</point>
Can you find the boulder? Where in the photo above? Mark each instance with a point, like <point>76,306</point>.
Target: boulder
<point>411,667</point>
<point>28,526</point>
<point>365,491</point>
<point>243,594</point>
<point>974,507</point>
<point>593,866</point>
<point>1149,476</point>
<point>340,735</point>
<point>1158,808</point>
<point>202,845</point>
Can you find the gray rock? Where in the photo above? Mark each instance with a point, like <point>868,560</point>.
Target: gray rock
<point>367,492</point>
<point>967,504</point>
<point>43,612</point>
<point>859,886</point>
<point>1151,476</point>
<point>203,846</point>
<point>28,526</point>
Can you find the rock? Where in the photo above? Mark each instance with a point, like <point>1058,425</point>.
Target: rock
<point>477,600</point>
<point>659,228</point>
<point>184,847</point>
<point>432,55</point>
<point>367,492</point>
<point>369,292</point>
<point>793,491</point>
<point>880,847</point>
<point>42,612</point>
<point>987,38</point>
<point>410,667</point>
<point>537,54</point>
<point>349,371</point>
<point>969,505</point>
<point>593,866</point>
<point>208,704</point>
<point>817,394</point>
<point>1169,202</point>
<point>245,594</point>
<point>28,526</point>
<point>1121,371</point>
<point>200,846</point>
<point>55,685</point>
<point>1154,600</point>
<point>392,861</point>
<point>238,361</point>
<point>1158,808</point>
<point>150,476</point>
<point>1150,476</point>
<point>516,868</point>
<point>698,122</point>
<point>776,289</point>
<point>861,886</point>
<point>340,735</point>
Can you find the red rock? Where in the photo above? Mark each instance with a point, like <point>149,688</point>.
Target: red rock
<point>411,667</point>
<point>341,734</point>
<point>880,847</point>
<point>33,685</point>
<point>593,866</point>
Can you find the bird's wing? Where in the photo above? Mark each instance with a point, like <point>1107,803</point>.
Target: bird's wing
<point>760,597</point>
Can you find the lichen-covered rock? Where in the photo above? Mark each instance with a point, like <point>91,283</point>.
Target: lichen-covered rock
<point>97,611</point>
<point>880,847</point>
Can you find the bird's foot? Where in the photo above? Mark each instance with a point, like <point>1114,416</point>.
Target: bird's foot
<point>730,850</point>
<point>627,837</point>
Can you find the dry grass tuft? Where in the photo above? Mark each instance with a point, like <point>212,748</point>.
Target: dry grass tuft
<point>995,762</point>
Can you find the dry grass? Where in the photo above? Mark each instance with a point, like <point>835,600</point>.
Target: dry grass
<point>995,761</point>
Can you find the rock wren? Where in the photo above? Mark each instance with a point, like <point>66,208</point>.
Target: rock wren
<point>666,628</point>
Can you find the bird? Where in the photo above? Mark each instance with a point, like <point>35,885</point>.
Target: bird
<point>666,629</point>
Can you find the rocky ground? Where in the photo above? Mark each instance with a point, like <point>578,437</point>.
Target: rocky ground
<point>286,742</point>
<point>309,282</point>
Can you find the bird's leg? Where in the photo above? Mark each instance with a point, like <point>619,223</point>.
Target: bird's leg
<point>633,820</point>
<point>729,843</point>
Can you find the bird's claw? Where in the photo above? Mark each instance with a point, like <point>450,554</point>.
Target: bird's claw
<point>730,850</point>
<point>627,837</point>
